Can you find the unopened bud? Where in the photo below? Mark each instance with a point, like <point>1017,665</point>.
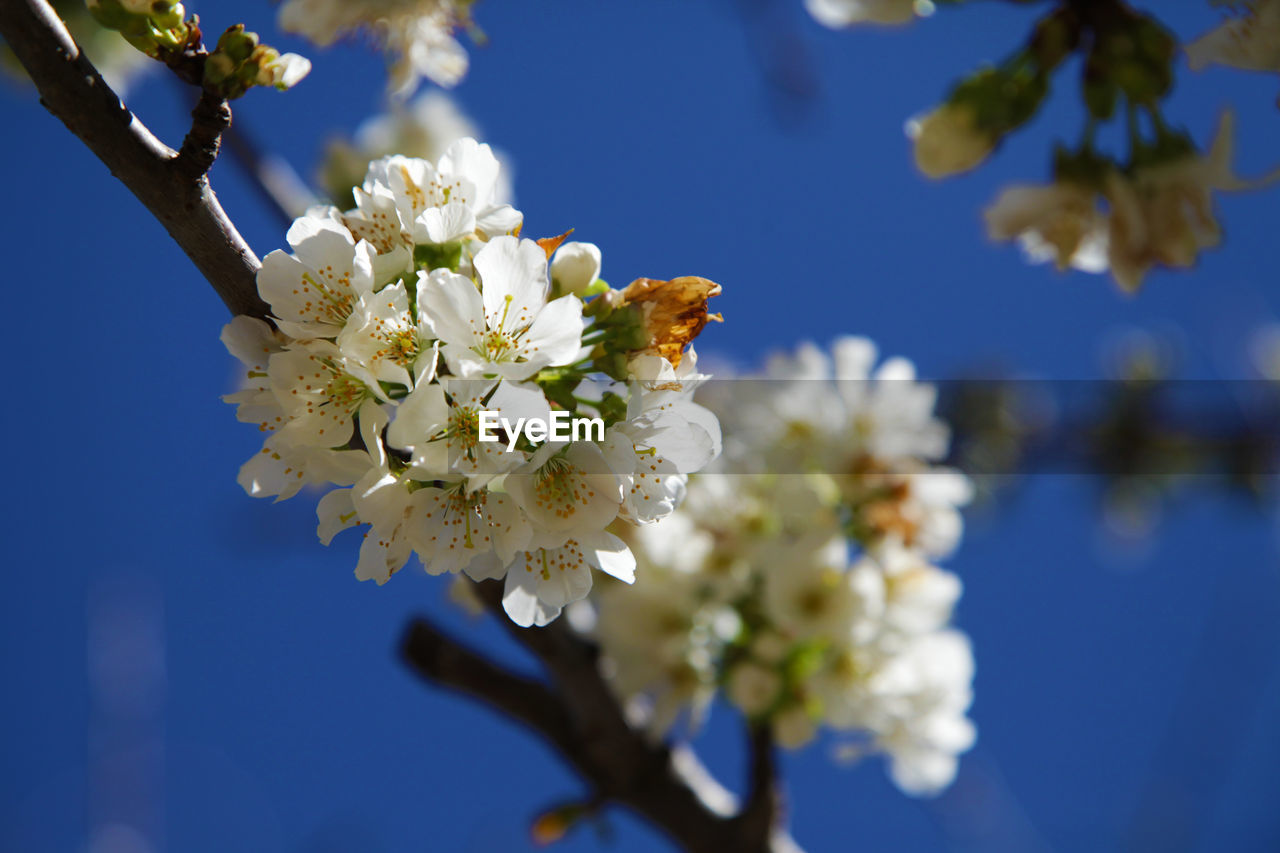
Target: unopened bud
<point>948,140</point>
<point>152,26</point>
<point>284,71</point>
<point>241,61</point>
<point>237,44</point>
<point>575,267</point>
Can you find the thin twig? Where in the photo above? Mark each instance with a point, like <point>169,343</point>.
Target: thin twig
<point>73,90</point>
<point>273,177</point>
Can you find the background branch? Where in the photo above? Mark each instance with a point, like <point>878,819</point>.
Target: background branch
<point>762,811</point>
<point>179,197</point>
<point>276,181</point>
<point>588,727</point>
<point>438,657</point>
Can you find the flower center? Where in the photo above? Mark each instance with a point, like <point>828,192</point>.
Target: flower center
<point>560,488</point>
<point>334,293</point>
<point>345,391</point>
<point>464,429</point>
<point>402,347</point>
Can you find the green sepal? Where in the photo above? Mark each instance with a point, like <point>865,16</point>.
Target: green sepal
<point>612,408</point>
<point>559,388</point>
<point>433,256</point>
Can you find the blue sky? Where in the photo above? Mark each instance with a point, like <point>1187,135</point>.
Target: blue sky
<point>1125,699</point>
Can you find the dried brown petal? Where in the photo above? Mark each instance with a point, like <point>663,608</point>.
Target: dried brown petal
<point>675,311</point>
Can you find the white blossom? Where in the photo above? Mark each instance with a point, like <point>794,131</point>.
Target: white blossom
<point>313,291</point>
<point>566,491</point>
<point>417,34</point>
<point>1163,213</point>
<point>1058,222</point>
<point>506,327</point>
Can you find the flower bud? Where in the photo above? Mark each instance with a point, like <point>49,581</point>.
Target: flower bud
<point>575,267</point>
<point>241,62</point>
<point>152,26</point>
<point>284,71</point>
<point>948,140</point>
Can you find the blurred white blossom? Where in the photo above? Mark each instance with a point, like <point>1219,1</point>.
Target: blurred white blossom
<point>799,575</point>
<point>423,129</point>
<point>417,35</point>
<point>1250,40</point>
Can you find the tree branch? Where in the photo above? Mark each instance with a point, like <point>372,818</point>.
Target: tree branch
<point>71,88</point>
<point>586,724</point>
<point>209,119</point>
<point>438,657</point>
<point>762,811</point>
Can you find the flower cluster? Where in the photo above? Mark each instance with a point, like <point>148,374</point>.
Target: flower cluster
<point>1159,211</point>
<point>424,128</point>
<point>401,326</point>
<point>239,61</point>
<point>417,34</point>
<point>799,576</point>
<point>1099,213</point>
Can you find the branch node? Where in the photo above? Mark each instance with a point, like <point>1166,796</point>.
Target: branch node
<point>211,116</point>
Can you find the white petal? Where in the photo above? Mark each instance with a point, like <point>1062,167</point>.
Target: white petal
<point>452,308</point>
<point>420,417</point>
<point>513,280</point>
<point>497,221</point>
<point>520,597</point>
<point>445,224</point>
<point>474,161</point>
<point>556,335</point>
<point>613,557</point>
<point>336,513</point>
<point>250,340</point>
